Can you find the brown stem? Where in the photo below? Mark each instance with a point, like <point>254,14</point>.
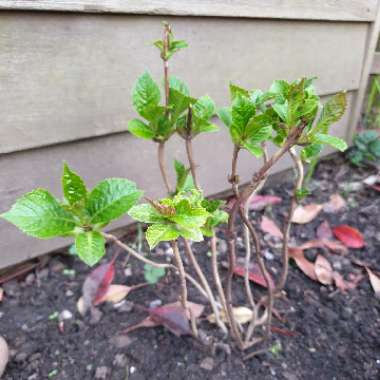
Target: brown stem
<point>189,151</point>
<point>194,262</point>
<point>165,41</point>
<point>285,249</point>
<point>232,253</point>
<point>162,164</point>
<point>264,272</point>
<point>182,276</point>
<point>140,257</point>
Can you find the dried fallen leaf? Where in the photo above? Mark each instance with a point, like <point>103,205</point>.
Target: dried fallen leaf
<point>303,264</point>
<point>269,226</point>
<point>259,202</point>
<point>324,230</point>
<point>4,355</point>
<point>1,294</point>
<point>114,294</point>
<point>81,307</point>
<point>372,180</point>
<point>172,316</point>
<point>255,275</point>
<point>242,315</point>
<point>335,204</point>
<point>349,236</point>
<point>323,270</point>
<point>333,245</point>
<point>305,214</point>
<point>375,281</point>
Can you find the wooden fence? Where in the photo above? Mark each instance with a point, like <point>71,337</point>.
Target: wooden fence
<point>67,69</point>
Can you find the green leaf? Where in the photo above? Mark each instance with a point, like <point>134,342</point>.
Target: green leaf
<point>252,148</point>
<point>335,142</point>
<point>311,151</point>
<point>74,188</point>
<point>146,213</point>
<point>185,181</point>
<point>242,111</point>
<point>40,215</point>
<point>146,95</point>
<point>111,198</point>
<point>178,85</point>
<point>225,115</point>
<point>194,233</point>
<point>188,215</point>
<point>259,129</point>
<point>332,111</point>
<point>206,127</point>
<point>204,108</point>
<point>374,148</point>
<point>152,274</point>
<point>236,91</point>
<point>157,233</point>
<point>282,110</point>
<point>140,129</point>
<point>90,247</point>
<point>280,87</point>
<point>302,193</point>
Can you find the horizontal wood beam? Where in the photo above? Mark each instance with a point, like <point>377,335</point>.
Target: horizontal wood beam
<point>375,68</point>
<point>338,10</point>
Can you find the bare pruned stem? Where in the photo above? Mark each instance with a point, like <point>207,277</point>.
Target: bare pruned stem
<point>190,157</point>
<point>182,277</point>
<point>202,278</point>
<point>140,257</point>
<point>162,164</point>
<point>286,232</point>
<point>165,41</point>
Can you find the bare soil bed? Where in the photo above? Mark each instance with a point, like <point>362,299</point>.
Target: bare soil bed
<point>325,334</point>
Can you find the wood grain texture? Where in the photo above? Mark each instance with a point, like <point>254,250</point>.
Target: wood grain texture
<point>370,48</point>
<point>375,68</point>
<point>68,77</point>
<point>338,10</point>
<point>119,155</point>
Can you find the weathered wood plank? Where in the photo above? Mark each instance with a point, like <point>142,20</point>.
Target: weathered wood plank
<point>375,68</point>
<point>371,42</point>
<point>119,155</point>
<point>68,77</point>
<point>339,10</point>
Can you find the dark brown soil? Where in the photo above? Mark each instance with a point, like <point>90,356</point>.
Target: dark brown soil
<point>337,334</point>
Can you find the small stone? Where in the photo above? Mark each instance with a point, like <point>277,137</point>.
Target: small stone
<point>4,355</point>
<point>33,377</point>
<point>43,274</point>
<point>96,316</point>
<point>169,252</point>
<point>89,367</point>
<point>56,265</point>
<point>120,361</point>
<point>11,288</point>
<point>65,314</point>
<point>30,279</point>
<point>124,306</point>
<point>337,265</point>
<point>268,255</point>
<point>155,303</point>
<point>221,246</point>
<point>128,272</point>
<point>102,373</point>
<point>121,341</point>
<point>207,364</point>
<point>132,370</point>
<point>69,293</point>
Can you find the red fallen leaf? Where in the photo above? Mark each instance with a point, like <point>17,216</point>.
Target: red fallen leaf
<point>305,214</point>
<point>375,187</point>
<point>303,264</point>
<point>255,275</point>
<point>97,283</point>
<point>349,236</point>
<point>374,280</point>
<point>324,230</point>
<point>259,202</point>
<point>335,204</point>
<point>323,270</point>
<point>269,226</point>
<point>172,316</point>
<point>285,332</point>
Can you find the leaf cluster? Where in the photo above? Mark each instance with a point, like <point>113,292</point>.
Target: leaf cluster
<point>187,214</point>
<point>82,214</point>
<point>366,148</point>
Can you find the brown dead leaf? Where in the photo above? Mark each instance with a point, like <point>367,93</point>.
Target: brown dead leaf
<point>269,226</point>
<point>305,214</point>
<point>335,204</point>
<point>1,294</point>
<point>323,270</point>
<point>242,315</point>
<point>259,202</point>
<point>375,281</point>
<point>303,264</point>
<point>324,231</point>
<point>114,294</point>
<point>4,355</point>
